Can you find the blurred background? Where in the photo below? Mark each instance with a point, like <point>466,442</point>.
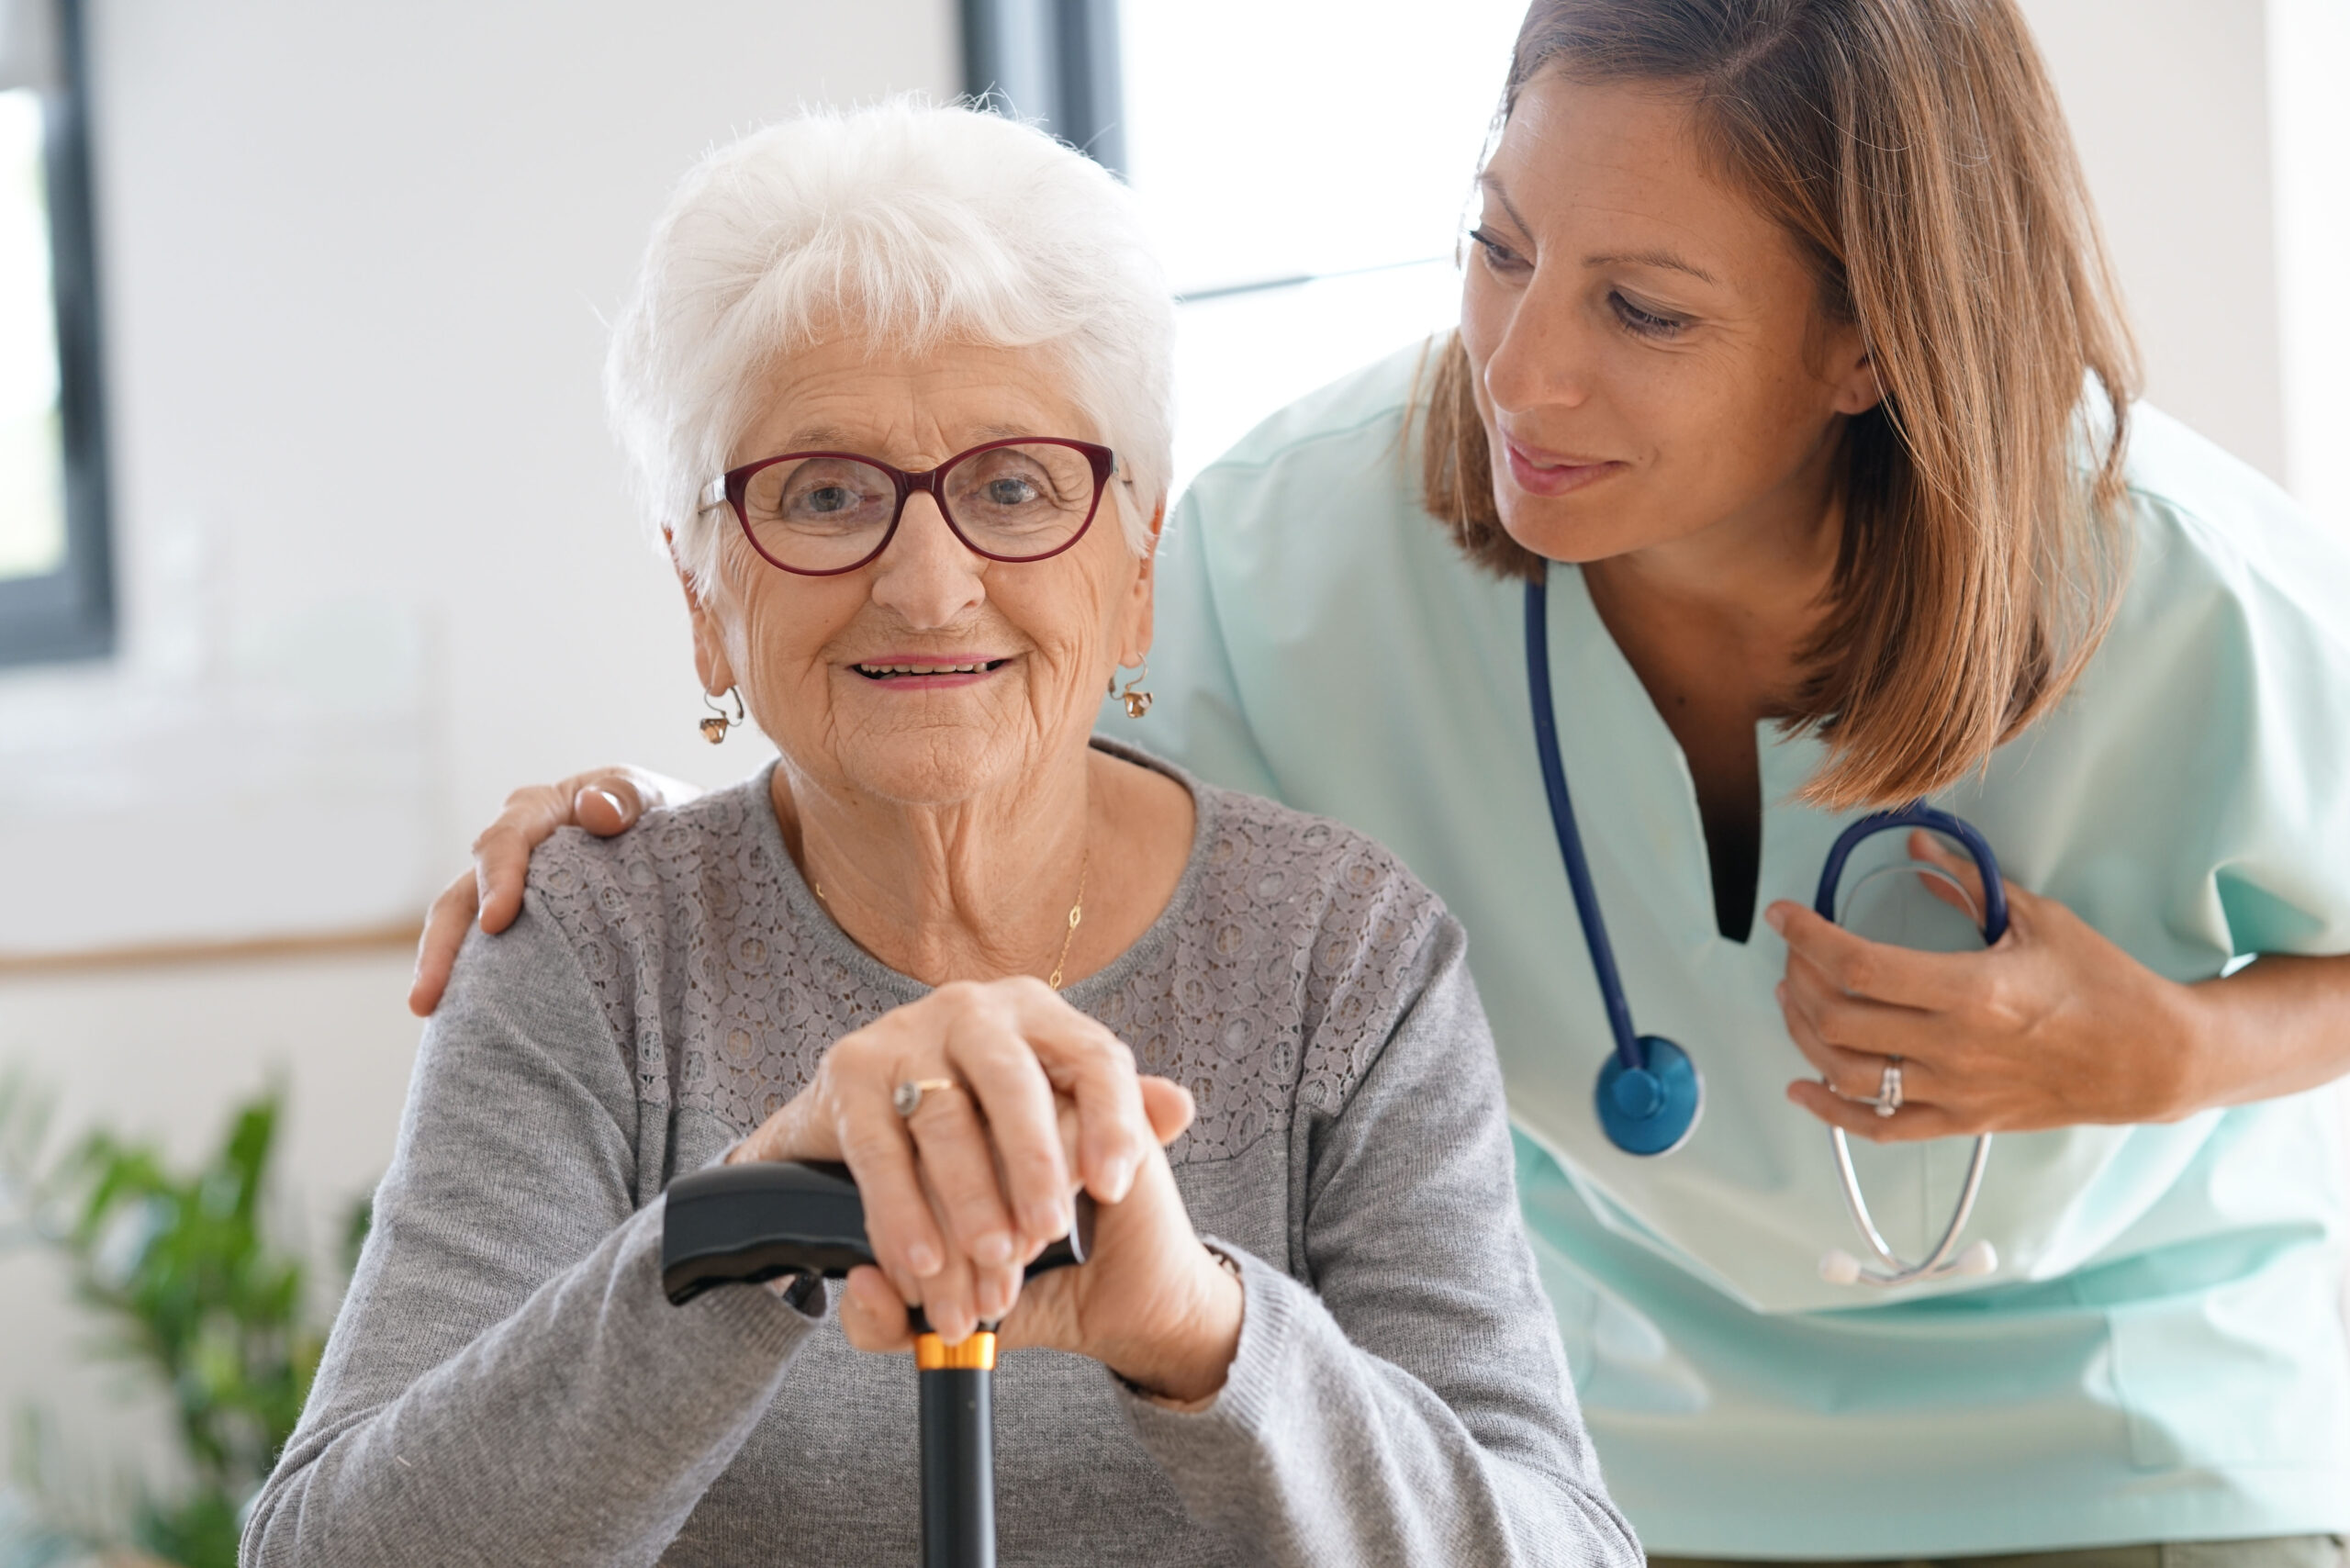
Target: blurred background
<point>312,543</point>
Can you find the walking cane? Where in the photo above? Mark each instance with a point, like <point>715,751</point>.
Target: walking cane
<point>762,1219</point>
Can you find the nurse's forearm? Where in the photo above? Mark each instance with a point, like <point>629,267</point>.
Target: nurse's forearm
<point>2279,1025</point>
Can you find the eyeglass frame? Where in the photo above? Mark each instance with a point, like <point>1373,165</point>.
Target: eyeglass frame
<point>730,489</point>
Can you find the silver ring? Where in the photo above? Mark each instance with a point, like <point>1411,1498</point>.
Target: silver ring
<point>906,1099</point>
<point>1888,1089</point>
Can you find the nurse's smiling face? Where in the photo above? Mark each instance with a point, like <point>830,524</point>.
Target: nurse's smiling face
<point>1652,361</point>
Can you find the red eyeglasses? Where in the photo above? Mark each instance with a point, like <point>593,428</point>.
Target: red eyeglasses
<point>821,514</point>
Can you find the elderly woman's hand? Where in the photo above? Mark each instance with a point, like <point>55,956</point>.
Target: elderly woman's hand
<point>962,1194</point>
<point>1151,1304</point>
<point>604,801</point>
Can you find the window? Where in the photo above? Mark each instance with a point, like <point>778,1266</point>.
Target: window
<point>56,592</point>
<point>1307,165</point>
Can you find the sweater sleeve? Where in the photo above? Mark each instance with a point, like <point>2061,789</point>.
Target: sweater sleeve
<point>506,1380</point>
<point>1412,1405</point>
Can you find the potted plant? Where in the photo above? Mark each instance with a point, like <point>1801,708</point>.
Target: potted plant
<point>190,1287</point>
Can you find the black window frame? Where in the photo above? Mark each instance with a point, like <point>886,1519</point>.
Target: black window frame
<point>1053,61</point>
<point>69,613</point>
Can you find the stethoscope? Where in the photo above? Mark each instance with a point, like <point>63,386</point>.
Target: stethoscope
<point>1651,1095</point>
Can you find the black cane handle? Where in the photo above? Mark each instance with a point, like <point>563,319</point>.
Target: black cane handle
<point>765,1218</point>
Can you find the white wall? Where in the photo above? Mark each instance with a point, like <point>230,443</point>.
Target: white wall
<point>2168,101</point>
<point>377,563</point>
<point>2309,49</point>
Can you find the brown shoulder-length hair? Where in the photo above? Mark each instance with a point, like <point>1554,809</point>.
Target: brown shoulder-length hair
<point>1915,150</point>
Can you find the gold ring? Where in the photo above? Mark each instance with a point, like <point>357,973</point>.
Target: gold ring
<point>907,1097</point>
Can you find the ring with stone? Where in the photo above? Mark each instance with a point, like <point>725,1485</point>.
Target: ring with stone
<point>907,1096</point>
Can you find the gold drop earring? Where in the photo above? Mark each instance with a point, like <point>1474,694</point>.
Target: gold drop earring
<point>1136,699</point>
<point>714,728</point>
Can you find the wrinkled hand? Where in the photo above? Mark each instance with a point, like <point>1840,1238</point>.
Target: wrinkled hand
<point>604,801</point>
<point>1151,1303</point>
<point>960,1197</point>
<point>2054,1026</point>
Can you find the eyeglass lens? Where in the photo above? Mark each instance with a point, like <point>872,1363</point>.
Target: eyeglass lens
<point>822,514</point>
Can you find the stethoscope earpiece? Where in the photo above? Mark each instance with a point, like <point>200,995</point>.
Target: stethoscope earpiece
<point>1840,1268</point>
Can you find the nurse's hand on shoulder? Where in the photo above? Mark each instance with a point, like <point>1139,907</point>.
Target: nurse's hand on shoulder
<point>604,801</point>
<point>2053,1026</point>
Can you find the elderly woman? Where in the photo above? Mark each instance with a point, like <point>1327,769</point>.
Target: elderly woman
<point>899,379</point>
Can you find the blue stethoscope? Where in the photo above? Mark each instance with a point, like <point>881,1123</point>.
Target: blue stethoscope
<point>1651,1095</point>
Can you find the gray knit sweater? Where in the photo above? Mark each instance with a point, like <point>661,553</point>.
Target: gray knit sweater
<point>507,1384</point>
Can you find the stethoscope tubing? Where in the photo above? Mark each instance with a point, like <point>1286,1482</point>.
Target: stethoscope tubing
<point>1919,814</point>
<point>1562,824</point>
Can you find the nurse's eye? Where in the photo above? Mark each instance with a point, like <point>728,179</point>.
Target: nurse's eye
<point>1647,323</point>
<point>1498,256</point>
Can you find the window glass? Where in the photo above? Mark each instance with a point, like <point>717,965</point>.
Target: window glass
<point>32,488</point>
<point>1275,140</point>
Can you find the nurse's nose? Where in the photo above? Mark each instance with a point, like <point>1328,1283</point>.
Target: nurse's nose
<point>1545,356</point>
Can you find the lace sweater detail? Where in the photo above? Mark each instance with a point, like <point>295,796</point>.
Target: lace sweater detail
<point>1267,983</point>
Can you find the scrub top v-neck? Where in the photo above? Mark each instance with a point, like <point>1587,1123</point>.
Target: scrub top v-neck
<point>2160,1355</point>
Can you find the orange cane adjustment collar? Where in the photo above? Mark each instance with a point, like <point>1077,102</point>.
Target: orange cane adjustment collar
<point>974,1354</point>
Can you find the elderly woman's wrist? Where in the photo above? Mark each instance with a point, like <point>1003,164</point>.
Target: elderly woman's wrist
<point>1189,1368</point>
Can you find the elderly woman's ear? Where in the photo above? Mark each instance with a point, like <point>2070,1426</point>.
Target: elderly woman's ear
<point>1136,643</point>
<point>710,663</point>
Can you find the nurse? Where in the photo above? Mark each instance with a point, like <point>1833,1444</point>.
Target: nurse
<point>1789,363</point>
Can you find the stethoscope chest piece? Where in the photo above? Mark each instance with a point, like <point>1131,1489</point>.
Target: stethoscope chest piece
<point>1653,1108</point>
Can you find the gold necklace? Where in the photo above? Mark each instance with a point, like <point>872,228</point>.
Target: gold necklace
<point>1076,915</point>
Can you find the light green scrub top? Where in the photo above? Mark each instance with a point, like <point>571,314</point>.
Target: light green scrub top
<point>2160,1356</point>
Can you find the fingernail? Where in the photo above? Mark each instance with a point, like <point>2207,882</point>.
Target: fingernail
<point>922,1259</point>
<point>993,1250</point>
<point>1775,918</point>
<point>1048,1222</point>
<point>1118,1175</point>
<point>612,800</point>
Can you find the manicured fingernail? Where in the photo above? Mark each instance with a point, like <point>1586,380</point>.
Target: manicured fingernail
<point>992,1250</point>
<point>922,1259</point>
<point>612,800</point>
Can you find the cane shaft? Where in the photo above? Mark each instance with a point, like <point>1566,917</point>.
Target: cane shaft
<point>957,1452</point>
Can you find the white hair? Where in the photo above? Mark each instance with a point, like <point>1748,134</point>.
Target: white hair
<point>915,224</point>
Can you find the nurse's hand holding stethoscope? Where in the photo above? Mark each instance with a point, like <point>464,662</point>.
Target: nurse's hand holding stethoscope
<point>2051,1026</point>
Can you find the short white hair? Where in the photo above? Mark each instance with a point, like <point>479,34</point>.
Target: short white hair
<point>914,223</point>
